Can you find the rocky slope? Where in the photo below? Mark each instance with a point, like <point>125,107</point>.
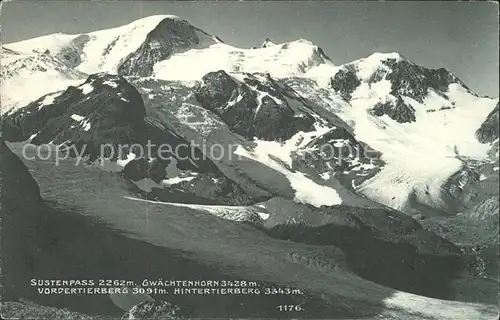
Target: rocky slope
<point>287,93</point>
<point>103,121</point>
<point>153,310</point>
<point>103,110</point>
<point>385,101</point>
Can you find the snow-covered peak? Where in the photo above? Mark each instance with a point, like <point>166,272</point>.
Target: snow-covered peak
<point>299,58</point>
<point>381,56</point>
<point>366,67</point>
<point>391,75</point>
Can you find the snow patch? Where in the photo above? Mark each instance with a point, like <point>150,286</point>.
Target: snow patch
<point>107,49</point>
<point>49,99</point>
<point>86,88</point>
<point>77,117</point>
<point>326,175</point>
<point>176,180</point>
<point>306,190</point>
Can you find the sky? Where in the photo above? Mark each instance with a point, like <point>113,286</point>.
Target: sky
<point>459,36</point>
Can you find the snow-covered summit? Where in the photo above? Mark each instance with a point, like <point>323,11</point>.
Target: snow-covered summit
<point>422,121</point>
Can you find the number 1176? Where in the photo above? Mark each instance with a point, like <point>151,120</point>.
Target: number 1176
<point>290,307</point>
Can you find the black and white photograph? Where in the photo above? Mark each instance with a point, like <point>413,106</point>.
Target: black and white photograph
<point>249,160</point>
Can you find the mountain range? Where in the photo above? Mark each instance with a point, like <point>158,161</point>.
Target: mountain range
<point>369,179</point>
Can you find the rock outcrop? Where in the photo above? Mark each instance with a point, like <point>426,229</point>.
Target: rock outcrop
<point>396,109</point>
<point>251,108</point>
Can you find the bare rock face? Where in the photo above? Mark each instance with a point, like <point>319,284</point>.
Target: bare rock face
<point>397,110</point>
<point>345,82</point>
<point>105,109</point>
